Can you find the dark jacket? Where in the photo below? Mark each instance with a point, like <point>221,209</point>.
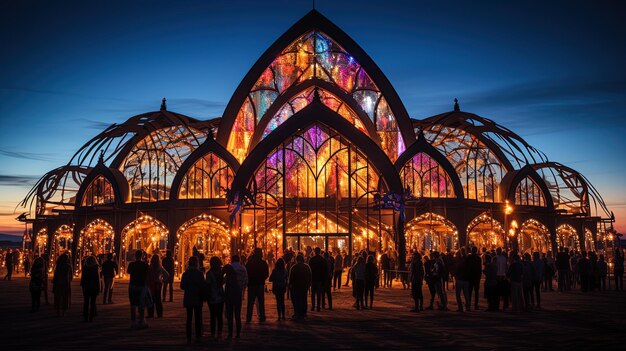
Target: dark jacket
<point>417,272</point>
<point>192,282</point>
<point>232,290</point>
<point>474,267</point>
<point>109,269</point>
<point>90,281</point>
<point>138,271</point>
<point>300,276</point>
<point>258,271</point>
<point>215,284</point>
<point>371,273</point>
<point>279,280</point>
<point>318,269</point>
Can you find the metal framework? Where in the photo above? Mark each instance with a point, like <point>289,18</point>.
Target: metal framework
<point>315,148</point>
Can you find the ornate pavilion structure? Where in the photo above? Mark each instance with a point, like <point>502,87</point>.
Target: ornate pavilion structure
<point>315,148</point>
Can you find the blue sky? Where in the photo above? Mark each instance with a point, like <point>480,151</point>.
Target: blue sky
<point>552,71</point>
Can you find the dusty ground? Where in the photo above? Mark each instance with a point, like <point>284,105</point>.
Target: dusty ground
<point>567,321</point>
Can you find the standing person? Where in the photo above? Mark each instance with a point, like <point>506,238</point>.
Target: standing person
<point>602,272</point>
<point>516,273</point>
<point>461,283</point>
<point>327,294</point>
<point>8,262</point>
<point>503,285</point>
<point>416,277</point>
<point>584,271</point>
<point>527,281</point>
<point>385,266</point>
<point>299,284</point>
<point>215,286</point>
<point>475,268</point>
<point>618,269</point>
<point>279,278</point>
<point>169,266</point>
<point>562,266</point>
<point>539,271</point>
<point>108,273</point>
<point>156,276</point>
<point>437,269</point>
<point>548,277</point>
<point>26,264</point>
<point>491,283</point>
<point>61,287</point>
<point>137,290</point>
<point>258,271</point>
<point>358,280</point>
<point>36,283</point>
<point>242,273</point>
<point>371,276</point>
<point>318,277</point>
<point>428,278</point>
<point>192,283</point>
<point>338,271</point>
<point>90,282</point>
<point>232,299</point>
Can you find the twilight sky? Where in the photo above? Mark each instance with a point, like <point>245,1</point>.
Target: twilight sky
<point>552,71</point>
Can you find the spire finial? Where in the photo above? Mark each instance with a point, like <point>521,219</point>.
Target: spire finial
<point>456,105</point>
<point>101,158</point>
<point>163,105</point>
<point>316,94</point>
<point>313,4</point>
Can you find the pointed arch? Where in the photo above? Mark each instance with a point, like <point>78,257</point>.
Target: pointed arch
<point>209,150</point>
<point>318,112</point>
<point>526,187</point>
<point>422,146</point>
<point>306,50</point>
<point>112,176</point>
<point>294,92</point>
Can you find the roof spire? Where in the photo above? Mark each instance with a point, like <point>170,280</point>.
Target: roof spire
<point>316,94</point>
<point>313,4</point>
<point>101,158</point>
<point>456,105</point>
<point>163,105</point>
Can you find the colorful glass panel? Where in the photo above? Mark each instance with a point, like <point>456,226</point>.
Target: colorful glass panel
<point>314,54</point>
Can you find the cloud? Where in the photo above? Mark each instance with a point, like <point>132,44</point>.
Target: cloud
<point>91,124</point>
<point>17,180</point>
<point>25,155</point>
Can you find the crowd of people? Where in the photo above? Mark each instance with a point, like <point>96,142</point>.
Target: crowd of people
<point>510,281</point>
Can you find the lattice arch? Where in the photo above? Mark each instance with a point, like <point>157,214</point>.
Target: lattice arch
<point>99,192</point>
<point>528,193</point>
<point>152,163</point>
<point>308,51</point>
<point>424,177</point>
<point>208,178</point>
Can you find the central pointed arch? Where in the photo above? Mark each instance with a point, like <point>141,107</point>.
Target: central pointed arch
<point>255,93</point>
<point>317,112</point>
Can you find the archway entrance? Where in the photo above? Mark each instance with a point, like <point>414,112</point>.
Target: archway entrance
<point>97,238</point>
<point>317,189</point>
<point>485,232</point>
<point>534,237</point>
<point>567,236</point>
<point>61,243</point>
<point>145,233</point>
<point>431,231</point>
<point>204,234</point>
<point>41,241</point>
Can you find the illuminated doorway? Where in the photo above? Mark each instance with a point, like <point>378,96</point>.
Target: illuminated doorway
<point>534,237</point>
<point>431,231</point>
<point>485,232</point>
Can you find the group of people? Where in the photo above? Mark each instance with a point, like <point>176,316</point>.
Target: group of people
<point>509,280</point>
